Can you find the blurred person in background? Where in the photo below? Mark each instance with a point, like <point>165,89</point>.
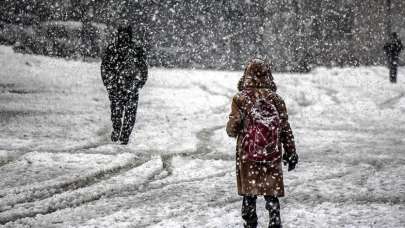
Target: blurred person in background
<point>392,49</point>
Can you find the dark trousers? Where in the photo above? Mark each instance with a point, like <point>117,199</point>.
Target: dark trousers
<point>123,113</point>
<point>393,65</point>
<point>249,211</point>
<point>393,73</point>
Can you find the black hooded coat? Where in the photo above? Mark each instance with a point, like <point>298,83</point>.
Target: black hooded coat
<point>124,72</point>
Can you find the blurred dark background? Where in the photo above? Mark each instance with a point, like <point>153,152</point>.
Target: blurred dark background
<point>215,34</point>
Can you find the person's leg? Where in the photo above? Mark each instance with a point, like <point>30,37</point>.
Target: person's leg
<point>116,116</point>
<point>393,72</point>
<point>249,211</point>
<point>129,117</point>
<point>273,206</point>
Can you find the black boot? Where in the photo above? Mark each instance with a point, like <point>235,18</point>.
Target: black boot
<point>250,225</point>
<point>273,206</point>
<point>124,139</point>
<point>249,211</point>
<point>115,136</point>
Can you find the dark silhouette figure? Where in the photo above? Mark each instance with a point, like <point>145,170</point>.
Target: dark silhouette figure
<point>124,72</point>
<point>392,49</point>
<point>304,63</point>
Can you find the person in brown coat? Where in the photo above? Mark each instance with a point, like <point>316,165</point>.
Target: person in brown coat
<point>260,178</point>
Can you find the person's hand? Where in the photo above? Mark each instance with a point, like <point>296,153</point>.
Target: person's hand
<point>292,160</point>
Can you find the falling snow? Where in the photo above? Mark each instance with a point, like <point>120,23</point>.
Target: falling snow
<point>59,169</point>
<point>338,65</point>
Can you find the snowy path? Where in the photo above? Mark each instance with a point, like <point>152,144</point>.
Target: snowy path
<point>58,168</point>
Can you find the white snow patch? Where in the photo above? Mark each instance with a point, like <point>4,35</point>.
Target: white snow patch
<point>54,130</point>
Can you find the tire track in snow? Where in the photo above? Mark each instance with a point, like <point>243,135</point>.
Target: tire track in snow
<point>13,197</point>
<point>359,198</point>
<point>161,187</point>
<point>139,196</point>
<point>222,157</point>
<point>203,148</point>
<point>204,145</point>
<point>392,101</point>
<point>18,152</point>
<point>226,205</point>
<point>212,92</point>
<point>347,192</point>
<point>155,186</point>
<point>128,181</point>
<point>165,172</point>
<point>331,93</point>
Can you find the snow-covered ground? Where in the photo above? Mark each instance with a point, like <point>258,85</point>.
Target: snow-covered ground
<point>58,168</point>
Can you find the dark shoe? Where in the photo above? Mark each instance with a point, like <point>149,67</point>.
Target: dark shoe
<point>273,206</point>
<point>251,225</point>
<point>249,211</point>
<point>115,136</point>
<point>124,140</point>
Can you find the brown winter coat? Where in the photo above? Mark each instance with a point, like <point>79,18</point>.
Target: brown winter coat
<point>255,178</point>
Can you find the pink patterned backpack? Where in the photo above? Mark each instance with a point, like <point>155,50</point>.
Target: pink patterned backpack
<point>260,136</point>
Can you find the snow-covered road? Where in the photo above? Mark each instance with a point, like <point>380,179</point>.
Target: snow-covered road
<point>58,168</point>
